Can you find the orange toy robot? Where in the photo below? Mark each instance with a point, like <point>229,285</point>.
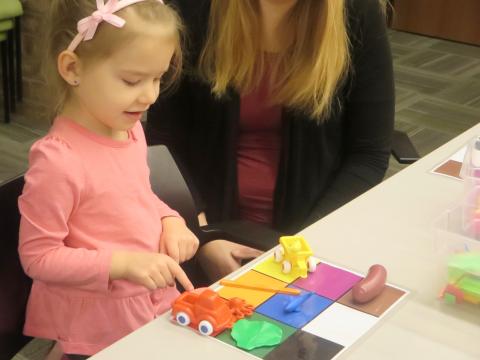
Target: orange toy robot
<point>203,309</point>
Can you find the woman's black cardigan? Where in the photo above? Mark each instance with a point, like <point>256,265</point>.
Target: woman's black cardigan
<point>321,166</point>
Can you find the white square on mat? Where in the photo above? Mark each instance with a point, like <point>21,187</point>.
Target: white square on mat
<point>341,324</point>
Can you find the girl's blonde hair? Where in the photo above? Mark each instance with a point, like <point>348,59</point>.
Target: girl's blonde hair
<point>63,18</point>
<point>306,75</point>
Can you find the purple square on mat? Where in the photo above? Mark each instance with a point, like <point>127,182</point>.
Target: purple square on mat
<point>328,281</point>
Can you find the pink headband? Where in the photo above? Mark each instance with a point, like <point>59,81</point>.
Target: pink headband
<point>105,12</point>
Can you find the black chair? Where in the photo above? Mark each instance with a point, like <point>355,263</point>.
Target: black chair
<point>170,186</point>
<point>14,284</point>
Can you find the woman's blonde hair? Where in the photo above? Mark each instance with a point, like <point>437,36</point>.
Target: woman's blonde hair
<point>306,75</point>
<point>63,18</point>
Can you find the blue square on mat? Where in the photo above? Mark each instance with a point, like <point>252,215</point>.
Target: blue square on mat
<point>275,309</point>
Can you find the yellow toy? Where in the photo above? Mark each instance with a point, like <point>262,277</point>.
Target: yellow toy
<point>294,252</point>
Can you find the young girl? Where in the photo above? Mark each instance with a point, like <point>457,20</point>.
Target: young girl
<point>103,250</point>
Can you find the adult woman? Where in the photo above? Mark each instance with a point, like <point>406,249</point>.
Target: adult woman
<point>285,115</point>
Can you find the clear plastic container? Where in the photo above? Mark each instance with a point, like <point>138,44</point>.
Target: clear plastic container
<point>470,172</point>
<point>458,235</point>
<point>451,234</point>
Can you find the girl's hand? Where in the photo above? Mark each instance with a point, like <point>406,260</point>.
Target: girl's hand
<point>151,270</point>
<point>177,240</point>
<point>219,258</point>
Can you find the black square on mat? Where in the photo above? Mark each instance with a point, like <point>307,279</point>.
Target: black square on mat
<point>305,346</point>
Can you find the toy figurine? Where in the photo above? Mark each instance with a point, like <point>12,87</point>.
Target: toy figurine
<point>203,309</point>
<point>463,279</point>
<point>295,253</point>
<point>371,286</point>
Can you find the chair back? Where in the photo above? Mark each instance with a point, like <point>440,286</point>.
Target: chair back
<point>169,185</point>
<point>14,284</point>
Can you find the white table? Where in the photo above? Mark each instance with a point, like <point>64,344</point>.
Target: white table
<point>391,225</point>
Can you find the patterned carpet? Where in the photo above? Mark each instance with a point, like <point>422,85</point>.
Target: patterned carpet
<point>437,90</point>
<point>438,97</point>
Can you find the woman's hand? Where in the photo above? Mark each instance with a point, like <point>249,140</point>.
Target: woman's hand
<point>151,270</point>
<point>177,240</point>
<point>220,257</point>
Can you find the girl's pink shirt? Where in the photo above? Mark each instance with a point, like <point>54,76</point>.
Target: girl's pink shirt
<point>84,197</point>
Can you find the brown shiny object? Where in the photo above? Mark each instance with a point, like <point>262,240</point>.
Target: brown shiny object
<point>371,286</point>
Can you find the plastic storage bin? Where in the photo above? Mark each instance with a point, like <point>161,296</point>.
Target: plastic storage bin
<point>458,235</point>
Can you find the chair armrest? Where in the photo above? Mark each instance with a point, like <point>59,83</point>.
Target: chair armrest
<point>243,232</point>
<point>402,148</point>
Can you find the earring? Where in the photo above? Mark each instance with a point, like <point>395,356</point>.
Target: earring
<point>76,82</point>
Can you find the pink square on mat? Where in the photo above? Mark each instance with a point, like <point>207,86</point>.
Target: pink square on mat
<point>328,281</point>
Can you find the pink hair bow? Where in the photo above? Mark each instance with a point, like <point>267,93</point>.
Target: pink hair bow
<point>87,27</point>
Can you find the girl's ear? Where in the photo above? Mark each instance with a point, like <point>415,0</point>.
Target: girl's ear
<point>69,67</point>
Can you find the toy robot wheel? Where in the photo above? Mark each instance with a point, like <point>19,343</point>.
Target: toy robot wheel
<point>278,254</point>
<point>182,318</point>
<point>312,265</point>
<point>205,327</point>
<point>449,298</point>
<point>286,267</point>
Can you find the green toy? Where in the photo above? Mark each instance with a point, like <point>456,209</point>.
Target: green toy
<point>463,279</point>
<point>251,334</point>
